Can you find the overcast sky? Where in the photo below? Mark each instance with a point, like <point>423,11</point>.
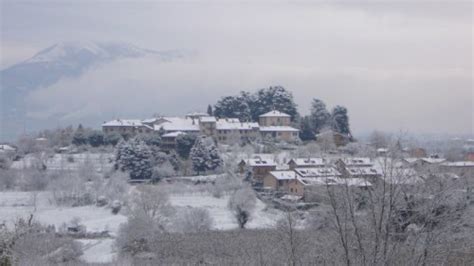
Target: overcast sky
<point>396,65</point>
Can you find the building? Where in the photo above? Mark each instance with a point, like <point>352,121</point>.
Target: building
<point>339,139</point>
<point>5,148</point>
<point>462,169</point>
<point>357,168</point>
<point>278,180</point>
<point>168,140</point>
<point>273,124</point>
<point>315,189</point>
<point>276,125</point>
<point>127,126</point>
<point>307,163</point>
<point>258,167</point>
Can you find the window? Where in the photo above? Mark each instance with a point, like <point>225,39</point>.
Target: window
<point>291,190</point>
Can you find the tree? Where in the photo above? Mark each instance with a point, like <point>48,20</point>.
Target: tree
<point>242,203</point>
<point>319,115</point>
<point>232,107</point>
<point>194,220</point>
<point>379,139</point>
<point>112,138</point>
<point>184,143</point>
<point>96,138</point>
<point>340,120</point>
<point>79,137</point>
<point>151,139</point>
<point>273,98</point>
<point>306,130</point>
<point>204,155</point>
<point>209,110</point>
<point>135,157</point>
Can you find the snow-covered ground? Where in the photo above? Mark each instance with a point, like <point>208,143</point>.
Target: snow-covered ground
<point>14,205</point>
<point>223,219</point>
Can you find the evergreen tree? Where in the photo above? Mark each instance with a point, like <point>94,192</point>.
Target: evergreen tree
<point>134,157</point>
<point>96,138</point>
<point>204,155</point>
<point>112,138</point>
<point>340,120</point>
<point>184,143</point>
<point>319,115</point>
<point>232,107</point>
<point>209,110</point>
<point>79,137</point>
<point>273,98</point>
<point>306,129</point>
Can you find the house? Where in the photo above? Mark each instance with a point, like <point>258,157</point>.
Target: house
<point>259,167</point>
<point>276,125</point>
<point>278,180</point>
<point>315,189</point>
<point>5,148</point>
<point>273,124</point>
<point>417,153</point>
<point>339,139</point>
<point>354,162</point>
<point>307,163</point>
<point>462,169</point>
<point>168,140</point>
<point>470,156</point>
<point>126,126</point>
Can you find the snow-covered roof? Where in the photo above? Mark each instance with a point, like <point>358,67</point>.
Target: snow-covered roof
<point>223,124</point>
<point>458,164</point>
<point>402,179</point>
<point>283,175</point>
<point>178,124</point>
<point>308,161</point>
<point>6,147</point>
<point>123,123</point>
<point>411,160</point>
<point>334,181</point>
<point>279,128</point>
<point>197,114</point>
<point>317,172</point>
<point>433,160</point>
<point>360,161</point>
<point>275,113</point>
<point>363,171</point>
<point>260,162</point>
<point>208,119</point>
<point>172,134</point>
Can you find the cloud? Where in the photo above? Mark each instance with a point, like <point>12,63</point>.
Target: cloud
<point>395,65</point>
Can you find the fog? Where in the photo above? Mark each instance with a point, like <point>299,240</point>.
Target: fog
<point>396,66</point>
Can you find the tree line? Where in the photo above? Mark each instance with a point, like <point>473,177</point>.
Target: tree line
<point>247,106</point>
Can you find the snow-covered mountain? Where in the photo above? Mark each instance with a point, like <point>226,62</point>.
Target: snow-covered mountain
<point>61,60</point>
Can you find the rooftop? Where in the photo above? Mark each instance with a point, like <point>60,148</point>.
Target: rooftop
<point>279,128</point>
<point>332,181</point>
<point>275,113</point>
<point>124,123</point>
<point>283,175</point>
<point>309,161</point>
<point>317,172</point>
<point>260,162</point>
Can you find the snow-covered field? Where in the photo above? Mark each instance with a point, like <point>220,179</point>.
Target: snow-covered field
<point>223,219</point>
<point>14,205</point>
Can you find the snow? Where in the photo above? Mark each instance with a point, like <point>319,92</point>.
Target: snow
<point>283,175</point>
<point>15,205</point>
<point>317,172</point>
<point>275,113</point>
<point>332,180</point>
<point>98,250</point>
<point>101,162</point>
<point>279,128</point>
<point>359,161</point>
<point>6,148</point>
<point>458,164</point>
<point>260,162</point>
<point>222,216</point>
<point>172,134</point>
<point>123,123</point>
<point>309,161</point>
<point>172,124</point>
<point>227,124</point>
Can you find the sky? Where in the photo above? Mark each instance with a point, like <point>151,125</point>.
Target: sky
<point>396,65</point>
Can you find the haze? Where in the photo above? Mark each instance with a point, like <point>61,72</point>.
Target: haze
<point>395,65</point>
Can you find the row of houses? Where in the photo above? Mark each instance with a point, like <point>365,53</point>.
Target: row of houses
<point>305,176</point>
<point>273,124</point>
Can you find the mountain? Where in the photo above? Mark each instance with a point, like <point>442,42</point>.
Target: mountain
<point>61,60</point>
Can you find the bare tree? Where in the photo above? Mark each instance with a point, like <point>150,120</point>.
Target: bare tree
<point>242,203</point>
